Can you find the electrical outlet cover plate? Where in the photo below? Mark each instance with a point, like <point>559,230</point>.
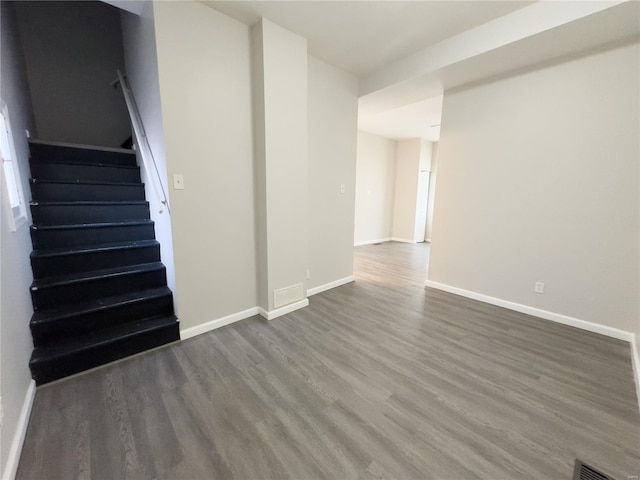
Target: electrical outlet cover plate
<point>178,181</point>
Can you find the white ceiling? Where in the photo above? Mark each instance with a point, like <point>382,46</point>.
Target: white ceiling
<point>361,36</point>
<point>415,120</point>
<point>422,48</point>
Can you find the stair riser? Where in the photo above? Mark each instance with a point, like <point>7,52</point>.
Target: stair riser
<point>44,214</point>
<point>59,171</point>
<point>44,372</point>
<point>50,153</point>
<point>75,192</point>
<point>86,262</point>
<point>77,292</point>
<point>63,329</point>
<point>79,237</point>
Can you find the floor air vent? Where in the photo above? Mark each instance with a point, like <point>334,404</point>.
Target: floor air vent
<point>586,472</point>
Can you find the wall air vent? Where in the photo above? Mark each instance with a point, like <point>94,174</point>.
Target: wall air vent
<point>586,472</point>
<point>287,295</point>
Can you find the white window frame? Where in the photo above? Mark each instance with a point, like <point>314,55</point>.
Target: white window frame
<point>11,179</point>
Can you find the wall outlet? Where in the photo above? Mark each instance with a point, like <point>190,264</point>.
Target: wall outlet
<point>539,287</point>
<point>178,181</point>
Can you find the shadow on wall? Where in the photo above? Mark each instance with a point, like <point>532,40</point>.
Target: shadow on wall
<point>72,51</point>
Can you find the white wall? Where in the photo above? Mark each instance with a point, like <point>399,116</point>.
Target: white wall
<point>141,61</point>
<point>406,189</point>
<point>538,180</point>
<point>432,190</point>
<point>375,188</point>
<point>15,247</point>
<point>281,87</point>
<point>412,156</point>
<point>333,118</point>
<point>422,199</point>
<point>72,52</point>
<point>260,166</point>
<point>207,122</point>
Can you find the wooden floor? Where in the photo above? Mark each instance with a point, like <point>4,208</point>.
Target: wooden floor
<point>377,379</point>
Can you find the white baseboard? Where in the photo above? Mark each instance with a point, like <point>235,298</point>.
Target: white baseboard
<point>217,323</point>
<point>278,312</point>
<point>635,360</point>
<point>330,285</point>
<point>403,240</point>
<point>371,242</point>
<point>558,318</point>
<point>21,431</point>
<point>537,312</point>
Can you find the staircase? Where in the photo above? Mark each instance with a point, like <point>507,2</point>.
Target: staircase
<point>99,291</point>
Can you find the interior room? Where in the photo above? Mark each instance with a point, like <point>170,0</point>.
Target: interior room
<point>268,239</point>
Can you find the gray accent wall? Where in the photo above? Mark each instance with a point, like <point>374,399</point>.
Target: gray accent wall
<point>72,51</point>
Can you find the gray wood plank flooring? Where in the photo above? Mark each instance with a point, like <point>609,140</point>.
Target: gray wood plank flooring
<point>377,379</point>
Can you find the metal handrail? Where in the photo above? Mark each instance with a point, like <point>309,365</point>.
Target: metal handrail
<point>138,133</point>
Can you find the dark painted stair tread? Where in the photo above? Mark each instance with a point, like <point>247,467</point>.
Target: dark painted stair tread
<point>95,275</point>
<point>99,338</point>
<point>71,171</point>
<point>58,324</point>
<point>66,260</point>
<point>55,314</point>
<point>46,237</point>
<point>90,202</point>
<point>102,247</point>
<point>85,182</point>
<point>75,189</point>
<point>52,151</point>
<point>92,225</point>
<point>86,164</point>
<point>82,212</point>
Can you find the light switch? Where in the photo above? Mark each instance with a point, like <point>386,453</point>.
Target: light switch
<point>342,188</point>
<point>178,181</point>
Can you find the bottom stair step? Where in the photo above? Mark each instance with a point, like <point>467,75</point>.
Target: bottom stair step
<point>56,325</point>
<point>82,353</point>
